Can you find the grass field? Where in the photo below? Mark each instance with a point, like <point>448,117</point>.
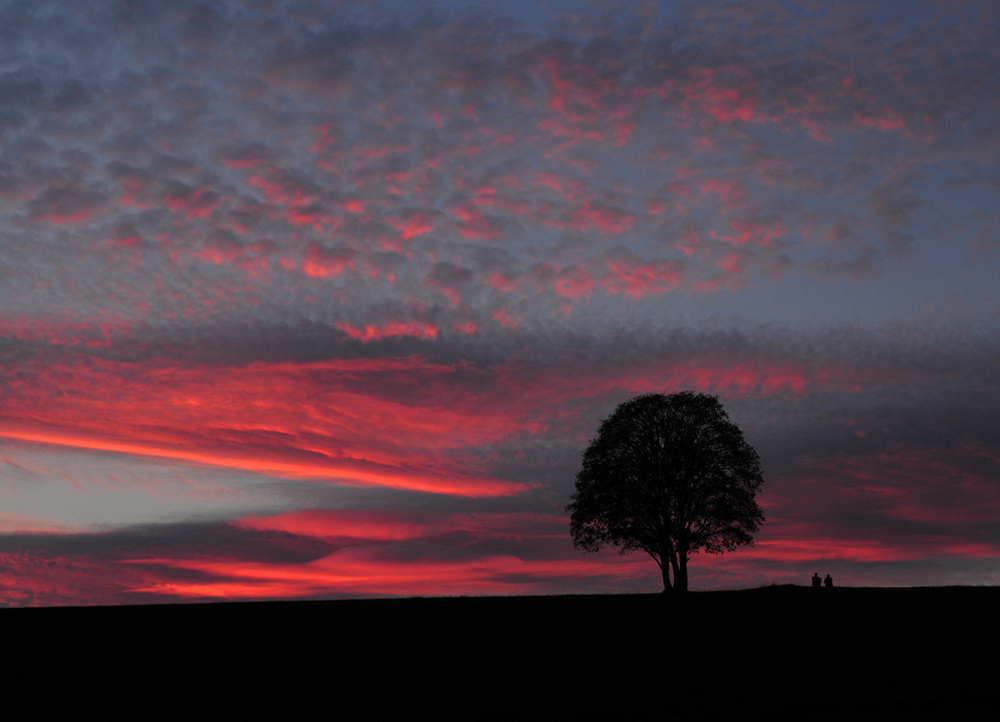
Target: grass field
<point>771,653</point>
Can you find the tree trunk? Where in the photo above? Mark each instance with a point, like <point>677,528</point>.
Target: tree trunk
<point>681,574</point>
<point>665,569</point>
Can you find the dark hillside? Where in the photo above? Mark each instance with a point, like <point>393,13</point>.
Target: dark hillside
<point>778,652</point>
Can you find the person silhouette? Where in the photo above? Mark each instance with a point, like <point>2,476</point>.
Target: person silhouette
<point>828,582</point>
<point>817,581</point>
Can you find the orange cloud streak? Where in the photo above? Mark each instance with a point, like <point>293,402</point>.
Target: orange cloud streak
<point>401,478</point>
<point>387,423</point>
<point>361,571</point>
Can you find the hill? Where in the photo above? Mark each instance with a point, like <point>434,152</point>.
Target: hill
<point>770,653</point>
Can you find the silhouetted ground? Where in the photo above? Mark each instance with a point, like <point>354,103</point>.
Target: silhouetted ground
<point>772,653</point>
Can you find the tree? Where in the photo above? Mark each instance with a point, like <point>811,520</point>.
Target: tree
<point>669,475</point>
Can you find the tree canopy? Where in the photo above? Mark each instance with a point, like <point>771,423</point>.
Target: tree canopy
<point>670,475</point>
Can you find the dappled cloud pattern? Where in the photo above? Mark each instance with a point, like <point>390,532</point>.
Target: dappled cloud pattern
<point>321,299</point>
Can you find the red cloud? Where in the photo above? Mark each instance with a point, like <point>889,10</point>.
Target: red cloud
<point>252,259</point>
<point>88,334</point>
<point>571,98</point>
<point>744,379</point>
<point>368,422</point>
<point>415,224</point>
<point>67,219</point>
<point>546,389</point>
<point>726,104</point>
<point>64,204</point>
<point>282,191</point>
<point>372,565</point>
<point>336,525</point>
<point>731,192</point>
<point>606,220</point>
<point>395,526</point>
<point>562,130</point>
<point>475,224</point>
<point>641,279</point>
<point>573,282</point>
<point>242,159</point>
<point>197,203</point>
<point>762,232</point>
<point>360,570</point>
<point>393,328</point>
<point>321,262</point>
<point>953,485</point>
<point>502,283</point>
<point>42,579</point>
<point>505,319</point>
<point>889,120</point>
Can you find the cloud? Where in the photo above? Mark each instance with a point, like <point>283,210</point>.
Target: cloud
<point>399,256</point>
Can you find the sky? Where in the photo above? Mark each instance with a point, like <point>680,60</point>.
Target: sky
<point>325,300</point>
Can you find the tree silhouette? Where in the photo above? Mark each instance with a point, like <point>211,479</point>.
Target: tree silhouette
<point>669,475</point>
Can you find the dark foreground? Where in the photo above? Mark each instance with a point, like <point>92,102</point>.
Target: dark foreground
<point>772,653</point>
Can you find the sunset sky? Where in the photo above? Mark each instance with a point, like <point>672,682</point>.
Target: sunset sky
<point>318,299</point>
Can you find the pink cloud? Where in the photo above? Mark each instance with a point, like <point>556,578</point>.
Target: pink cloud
<point>656,207</point>
<point>505,319</point>
<point>393,328</point>
<point>244,159</point>
<point>635,279</point>
<point>196,203</point>
<point>64,204</point>
<point>708,89</point>
<point>474,224</point>
<point>562,130</point>
<point>321,262</point>
<point>604,219</point>
<point>365,571</point>
<point>88,334</point>
<point>731,192</point>
<point>888,120</point>
<point>762,232</point>
<point>282,191</point>
<point>573,282</point>
<point>569,96</point>
<point>251,258</point>
<point>501,282</point>
<point>68,219</point>
<point>361,422</point>
<point>413,224</point>
<point>941,486</point>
